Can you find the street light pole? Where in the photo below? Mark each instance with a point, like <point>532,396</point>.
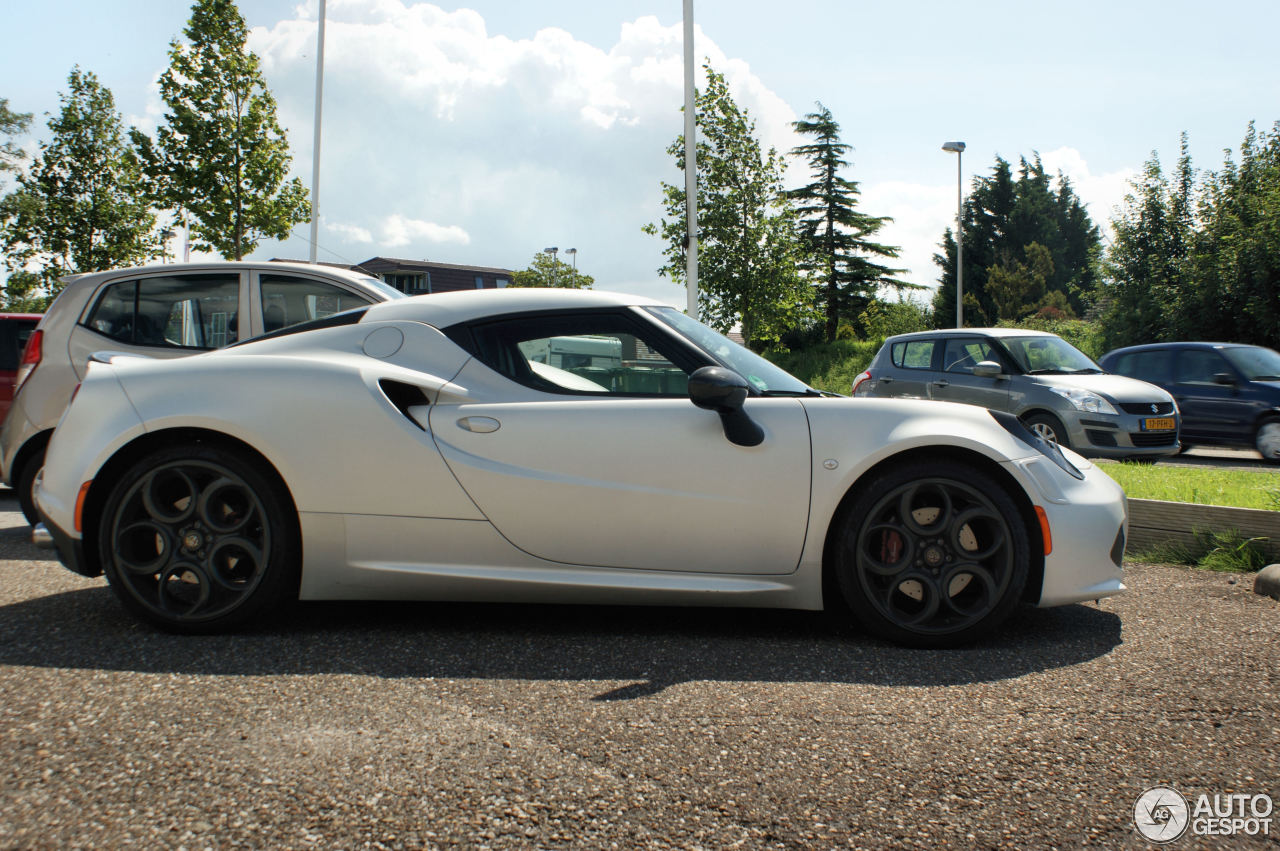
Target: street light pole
<point>315,144</point>
<point>553,251</point>
<point>957,148</point>
<point>690,165</point>
<point>574,252</point>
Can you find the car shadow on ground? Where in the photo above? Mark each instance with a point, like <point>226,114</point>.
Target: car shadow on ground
<point>647,648</point>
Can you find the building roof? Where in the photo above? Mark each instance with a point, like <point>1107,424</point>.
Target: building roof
<point>387,264</point>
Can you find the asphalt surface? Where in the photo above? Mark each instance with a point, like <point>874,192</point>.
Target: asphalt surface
<point>353,726</point>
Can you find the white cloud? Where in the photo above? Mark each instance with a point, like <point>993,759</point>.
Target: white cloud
<point>446,142</point>
<point>397,231</point>
<point>351,233</point>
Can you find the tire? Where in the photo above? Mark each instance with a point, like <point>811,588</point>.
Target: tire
<point>197,539</point>
<point>935,554</point>
<point>1267,441</point>
<point>1048,427</point>
<point>25,485</point>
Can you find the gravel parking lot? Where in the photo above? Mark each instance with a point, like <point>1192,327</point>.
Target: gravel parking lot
<point>503,726</point>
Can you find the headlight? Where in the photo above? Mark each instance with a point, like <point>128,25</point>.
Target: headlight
<point>1085,401</point>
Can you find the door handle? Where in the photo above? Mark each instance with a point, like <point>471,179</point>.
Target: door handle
<point>479,425</point>
<point>887,380</point>
<point>942,382</point>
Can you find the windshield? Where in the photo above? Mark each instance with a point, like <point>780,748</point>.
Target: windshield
<point>383,287</point>
<point>1048,355</point>
<point>1255,362</point>
<point>763,376</point>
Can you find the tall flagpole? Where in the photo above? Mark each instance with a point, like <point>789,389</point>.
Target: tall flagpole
<point>315,144</point>
<point>690,164</point>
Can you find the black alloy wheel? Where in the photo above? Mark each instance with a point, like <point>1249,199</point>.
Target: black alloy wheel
<point>933,555</point>
<point>197,539</point>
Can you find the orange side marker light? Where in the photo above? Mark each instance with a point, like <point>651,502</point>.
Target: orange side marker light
<point>1044,530</point>
<point>80,497</point>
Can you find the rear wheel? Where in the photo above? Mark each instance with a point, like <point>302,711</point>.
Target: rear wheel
<point>24,483</point>
<point>933,555</point>
<point>195,539</point>
<point>1267,440</point>
<point>1048,428</point>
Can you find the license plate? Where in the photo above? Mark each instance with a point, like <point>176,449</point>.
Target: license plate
<point>1159,424</point>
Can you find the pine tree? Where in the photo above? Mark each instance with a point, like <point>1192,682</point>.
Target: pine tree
<point>834,233</point>
<point>1002,216</point>
<point>748,251</point>
<point>80,208</point>
<point>221,155</point>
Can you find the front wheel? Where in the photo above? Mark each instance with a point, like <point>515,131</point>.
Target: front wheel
<point>933,555</point>
<point>1048,428</point>
<point>1267,441</point>
<point>196,539</point>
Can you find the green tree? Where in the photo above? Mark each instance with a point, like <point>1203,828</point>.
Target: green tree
<point>11,123</point>
<point>548,271</point>
<point>221,156</point>
<point>80,208</point>
<point>1017,288</point>
<point>1235,263</point>
<point>1002,216</point>
<point>748,251</point>
<point>833,232</point>
<point>1148,264</point>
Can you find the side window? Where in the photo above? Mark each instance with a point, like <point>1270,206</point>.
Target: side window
<point>914,354</point>
<point>594,354</point>
<point>288,300</point>
<point>1197,366</point>
<point>963,354</point>
<point>1148,366</point>
<point>188,311</point>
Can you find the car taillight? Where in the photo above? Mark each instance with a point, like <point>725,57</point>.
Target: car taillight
<point>30,358</point>
<point>864,384</point>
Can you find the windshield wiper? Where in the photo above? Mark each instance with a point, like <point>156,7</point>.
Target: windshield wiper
<point>1088,370</point>
<point>1045,372</point>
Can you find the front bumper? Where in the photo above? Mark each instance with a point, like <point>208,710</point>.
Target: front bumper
<point>1119,436</point>
<point>70,549</point>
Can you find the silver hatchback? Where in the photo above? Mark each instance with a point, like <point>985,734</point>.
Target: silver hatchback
<point>162,311</point>
<point>1053,387</point>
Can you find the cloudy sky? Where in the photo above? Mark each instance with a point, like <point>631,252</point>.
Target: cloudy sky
<point>482,132</point>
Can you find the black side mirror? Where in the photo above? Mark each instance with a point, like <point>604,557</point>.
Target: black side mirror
<point>723,391</point>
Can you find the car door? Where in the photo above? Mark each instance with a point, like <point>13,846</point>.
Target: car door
<point>913,367</point>
<point>956,381</point>
<point>610,464</point>
<point>163,315</point>
<point>1210,410</point>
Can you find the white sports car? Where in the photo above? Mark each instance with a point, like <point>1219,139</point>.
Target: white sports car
<point>557,445</point>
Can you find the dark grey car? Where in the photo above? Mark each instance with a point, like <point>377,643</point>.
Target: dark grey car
<point>1046,382</point>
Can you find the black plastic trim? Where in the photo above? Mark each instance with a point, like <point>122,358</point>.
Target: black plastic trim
<point>333,320</point>
<point>1015,427</point>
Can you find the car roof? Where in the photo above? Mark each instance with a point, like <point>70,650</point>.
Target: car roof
<point>445,309</point>
<point>1181,344</point>
<point>315,270</point>
<point>973,332</point>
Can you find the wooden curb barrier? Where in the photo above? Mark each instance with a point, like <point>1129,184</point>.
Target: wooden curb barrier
<point>1153,521</point>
